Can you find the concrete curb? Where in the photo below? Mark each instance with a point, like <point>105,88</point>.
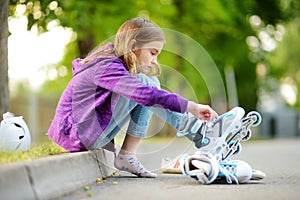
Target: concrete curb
<point>54,176</point>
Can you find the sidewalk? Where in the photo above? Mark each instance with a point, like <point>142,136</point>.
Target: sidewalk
<point>64,176</point>
<point>278,158</point>
<point>53,176</point>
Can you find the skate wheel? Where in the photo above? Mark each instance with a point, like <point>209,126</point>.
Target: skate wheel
<point>257,116</point>
<point>247,136</point>
<point>237,149</point>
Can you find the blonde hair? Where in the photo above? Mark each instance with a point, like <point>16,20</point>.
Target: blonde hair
<point>139,30</point>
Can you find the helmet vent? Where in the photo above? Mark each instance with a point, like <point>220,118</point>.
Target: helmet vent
<point>18,125</point>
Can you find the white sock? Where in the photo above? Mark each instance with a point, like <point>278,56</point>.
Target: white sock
<point>130,163</point>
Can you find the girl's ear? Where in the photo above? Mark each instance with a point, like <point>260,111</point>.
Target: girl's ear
<point>131,44</point>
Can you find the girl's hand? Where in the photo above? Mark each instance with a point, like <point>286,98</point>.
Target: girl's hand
<point>204,112</point>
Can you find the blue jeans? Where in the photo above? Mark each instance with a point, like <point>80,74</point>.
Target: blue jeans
<point>139,116</point>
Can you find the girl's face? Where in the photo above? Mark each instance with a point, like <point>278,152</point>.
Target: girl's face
<point>147,56</point>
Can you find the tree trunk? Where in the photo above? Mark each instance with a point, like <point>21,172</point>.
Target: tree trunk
<point>4,93</point>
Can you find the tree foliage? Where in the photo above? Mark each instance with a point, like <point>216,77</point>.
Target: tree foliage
<point>221,27</point>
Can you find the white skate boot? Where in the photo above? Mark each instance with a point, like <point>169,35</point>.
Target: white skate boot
<point>201,166</point>
<point>237,171</point>
<point>206,169</point>
<point>222,136</point>
<point>221,139</point>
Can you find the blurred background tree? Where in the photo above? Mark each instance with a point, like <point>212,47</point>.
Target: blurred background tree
<point>254,39</point>
<point>4,92</point>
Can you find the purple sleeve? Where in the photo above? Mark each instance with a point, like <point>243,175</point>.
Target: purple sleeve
<point>112,75</point>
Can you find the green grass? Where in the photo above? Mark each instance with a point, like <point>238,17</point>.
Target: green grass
<point>38,151</point>
<point>47,148</point>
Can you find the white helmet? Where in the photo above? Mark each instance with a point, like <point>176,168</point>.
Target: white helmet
<point>14,133</point>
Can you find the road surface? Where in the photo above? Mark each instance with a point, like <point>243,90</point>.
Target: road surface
<point>278,158</point>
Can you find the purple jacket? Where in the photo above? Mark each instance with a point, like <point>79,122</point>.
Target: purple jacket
<point>87,103</point>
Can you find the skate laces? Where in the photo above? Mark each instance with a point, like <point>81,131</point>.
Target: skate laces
<point>228,175</point>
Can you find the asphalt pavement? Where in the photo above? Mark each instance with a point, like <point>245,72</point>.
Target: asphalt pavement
<point>278,158</point>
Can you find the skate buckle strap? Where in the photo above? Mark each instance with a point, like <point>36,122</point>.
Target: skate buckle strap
<point>200,138</point>
<point>201,166</point>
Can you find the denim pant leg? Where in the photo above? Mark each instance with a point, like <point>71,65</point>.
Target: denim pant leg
<point>121,115</point>
<point>138,115</point>
<point>175,119</point>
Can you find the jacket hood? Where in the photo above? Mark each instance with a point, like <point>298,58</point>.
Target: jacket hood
<point>78,66</point>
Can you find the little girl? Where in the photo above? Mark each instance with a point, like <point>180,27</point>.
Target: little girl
<point>117,83</point>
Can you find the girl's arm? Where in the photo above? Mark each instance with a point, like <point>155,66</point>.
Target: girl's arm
<point>112,75</point>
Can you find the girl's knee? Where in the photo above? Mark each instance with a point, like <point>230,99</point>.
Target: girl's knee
<point>149,80</point>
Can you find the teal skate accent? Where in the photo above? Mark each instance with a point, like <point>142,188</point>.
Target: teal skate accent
<point>229,115</point>
<point>228,171</point>
<point>230,167</point>
<point>205,141</point>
